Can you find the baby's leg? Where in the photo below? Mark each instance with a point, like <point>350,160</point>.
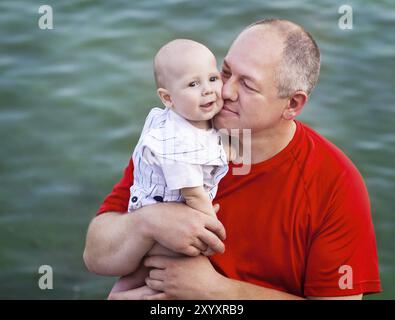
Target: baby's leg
<point>133,294</point>
<point>136,280</point>
<point>131,281</point>
<point>134,284</point>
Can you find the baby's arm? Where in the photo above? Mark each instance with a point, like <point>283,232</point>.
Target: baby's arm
<point>134,283</point>
<point>198,199</point>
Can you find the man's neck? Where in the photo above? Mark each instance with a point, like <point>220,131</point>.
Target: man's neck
<point>266,144</point>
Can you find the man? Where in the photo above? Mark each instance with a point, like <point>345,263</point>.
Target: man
<point>298,225</point>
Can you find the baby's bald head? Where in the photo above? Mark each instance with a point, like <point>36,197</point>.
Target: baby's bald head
<point>171,58</point>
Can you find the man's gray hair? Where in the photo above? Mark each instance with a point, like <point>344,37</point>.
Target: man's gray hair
<point>300,65</point>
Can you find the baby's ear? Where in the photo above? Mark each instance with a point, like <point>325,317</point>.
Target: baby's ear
<point>165,97</point>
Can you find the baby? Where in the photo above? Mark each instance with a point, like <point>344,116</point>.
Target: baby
<point>179,156</point>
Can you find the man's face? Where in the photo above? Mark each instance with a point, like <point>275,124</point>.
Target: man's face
<point>249,91</point>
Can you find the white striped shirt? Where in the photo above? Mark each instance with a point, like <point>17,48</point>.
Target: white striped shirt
<point>172,154</point>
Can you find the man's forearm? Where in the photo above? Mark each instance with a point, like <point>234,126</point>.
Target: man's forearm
<point>239,290</point>
<point>116,243</point>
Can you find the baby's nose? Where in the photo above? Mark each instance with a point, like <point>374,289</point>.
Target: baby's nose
<point>207,89</point>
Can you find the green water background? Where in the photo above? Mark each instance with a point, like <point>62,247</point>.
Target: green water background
<point>73,100</point>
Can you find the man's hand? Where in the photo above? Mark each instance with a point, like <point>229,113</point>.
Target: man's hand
<point>183,278</point>
<point>183,229</point>
<point>194,278</point>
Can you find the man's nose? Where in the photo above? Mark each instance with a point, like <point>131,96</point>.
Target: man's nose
<point>229,90</point>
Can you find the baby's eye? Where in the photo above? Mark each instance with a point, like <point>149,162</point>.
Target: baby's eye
<point>214,78</point>
<point>193,84</point>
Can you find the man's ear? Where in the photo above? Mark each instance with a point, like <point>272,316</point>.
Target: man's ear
<point>165,97</point>
<point>295,105</point>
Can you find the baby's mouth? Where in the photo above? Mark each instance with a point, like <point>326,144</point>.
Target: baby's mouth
<point>207,105</point>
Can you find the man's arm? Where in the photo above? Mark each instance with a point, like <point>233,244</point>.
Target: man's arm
<point>116,243</point>
<point>195,278</point>
<point>239,290</point>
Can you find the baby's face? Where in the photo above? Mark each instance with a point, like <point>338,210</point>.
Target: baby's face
<point>195,87</point>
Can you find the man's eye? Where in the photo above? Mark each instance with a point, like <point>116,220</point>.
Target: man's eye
<point>193,84</point>
<point>248,87</point>
<point>225,74</point>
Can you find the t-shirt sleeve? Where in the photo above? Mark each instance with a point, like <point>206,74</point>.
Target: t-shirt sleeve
<point>342,259</point>
<point>180,175</point>
<point>118,199</point>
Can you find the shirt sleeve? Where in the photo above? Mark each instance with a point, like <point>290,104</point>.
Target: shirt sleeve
<point>180,175</point>
<point>118,199</point>
<point>343,259</point>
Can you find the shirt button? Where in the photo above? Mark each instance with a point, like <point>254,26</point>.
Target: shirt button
<point>134,199</point>
<point>158,198</point>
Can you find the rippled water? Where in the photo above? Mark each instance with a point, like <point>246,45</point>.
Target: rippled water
<point>73,100</point>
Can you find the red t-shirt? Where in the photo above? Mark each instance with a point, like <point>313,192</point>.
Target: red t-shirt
<point>299,222</point>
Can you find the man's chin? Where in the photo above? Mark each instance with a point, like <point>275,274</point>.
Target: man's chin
<point>223,122</point>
